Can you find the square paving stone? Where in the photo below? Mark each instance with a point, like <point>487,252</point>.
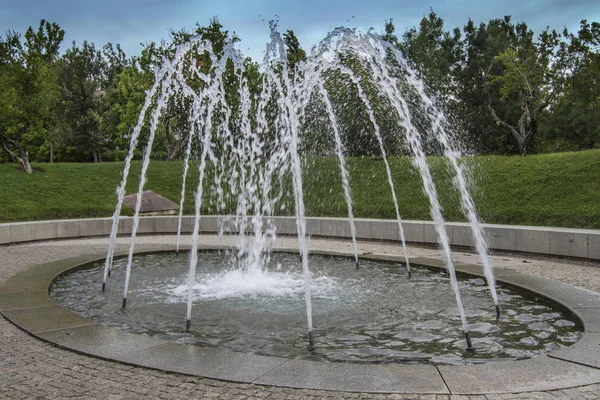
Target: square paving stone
<point>567,242</point>
<point>36,320</point>
<point>313,226</point>
<point>356,377</point>
<point>44,230</point>
<point>561,292</point>
<point>430,234</point>
<point>166,224</point>
<point>21,232</point>
<point>384,257</point>
<point>94,227</point>
<point>533,240</point>
<point>413,231</point>
<point>102,341</point>
<point>67,228</point>
<point>591,318</point>
<point>285,225</point>
<point>586,351</point>
<point>434,262</point>
<point>24,284</point>
<point>38,278</point>
<point>20,300</point>
<point>536,374</point>
<point>210,363</point>
<point>363,229</point>
<point>478,269</point>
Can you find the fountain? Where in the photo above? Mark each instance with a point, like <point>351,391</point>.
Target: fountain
<point>370,315</point>
<point>367,321</point>
<point>251,144</point>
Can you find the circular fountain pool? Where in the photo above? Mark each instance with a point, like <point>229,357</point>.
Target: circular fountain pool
<point>373,314</point>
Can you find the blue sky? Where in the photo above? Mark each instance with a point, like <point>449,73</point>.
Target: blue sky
<point>131,22</point>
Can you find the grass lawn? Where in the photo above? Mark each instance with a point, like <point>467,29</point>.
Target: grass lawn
<point>561,189</point>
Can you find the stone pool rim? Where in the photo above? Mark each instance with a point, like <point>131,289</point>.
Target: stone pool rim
<point>24,300</point>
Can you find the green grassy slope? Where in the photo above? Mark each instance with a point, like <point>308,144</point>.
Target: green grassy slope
<point>561,189</point>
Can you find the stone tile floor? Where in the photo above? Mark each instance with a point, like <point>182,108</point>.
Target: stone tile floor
<point>30,368</point>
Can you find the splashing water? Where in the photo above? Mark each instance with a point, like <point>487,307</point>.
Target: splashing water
<point>252,139</point>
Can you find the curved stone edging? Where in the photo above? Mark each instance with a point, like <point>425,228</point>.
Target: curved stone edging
<point>582,243</point>
<point>24,300</point>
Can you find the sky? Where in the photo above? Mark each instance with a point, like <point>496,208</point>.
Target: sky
<point>131,22</point>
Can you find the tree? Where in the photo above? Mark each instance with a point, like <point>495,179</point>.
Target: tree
<point>533,73</point>
<point>350,110</point>
<point>29,89</point>
<point>175,119</point>
<point>118,94</point>
<point>125,95</point>
<point>390,33</point>
<point>435,54</point>
<point>506,81</point>
<point>83,84</point>
<point>294,52</point>
<point>572,123</point>
<point>480,45</point>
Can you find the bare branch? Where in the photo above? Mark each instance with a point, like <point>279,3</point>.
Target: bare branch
<point>5,138</point>
<point>526,82</point>
<point>522,121</point>
<point>12,154</point>
<point>504,124</point>
<point>543,104</point>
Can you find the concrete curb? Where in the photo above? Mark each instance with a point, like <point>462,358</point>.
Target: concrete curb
<point>581,243</point>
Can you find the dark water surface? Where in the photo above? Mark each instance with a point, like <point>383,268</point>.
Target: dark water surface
<point>374,314</point>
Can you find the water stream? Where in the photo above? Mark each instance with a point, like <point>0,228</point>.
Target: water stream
<point>254,144</point>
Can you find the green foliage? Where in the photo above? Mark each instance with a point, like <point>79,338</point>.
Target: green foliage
<point>505,91</point>
<point>502,85</point>
<point>295,54</point>
<point>83,80</point>
<point>175,126</point>
<point>390,33</point>
<point>125,96</point>
<point>531,74</point>
<point>572,123</point>
<point>29,89</point>
<point>434,53</point>
<point>351,113</point>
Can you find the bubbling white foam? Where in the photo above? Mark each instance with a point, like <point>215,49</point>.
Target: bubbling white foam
<point>253,284</point>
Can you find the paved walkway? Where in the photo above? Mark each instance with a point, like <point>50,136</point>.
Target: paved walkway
<point>30,368</point>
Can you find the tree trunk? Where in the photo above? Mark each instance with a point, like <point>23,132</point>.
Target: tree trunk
<point>522,150</point>
<point>22,158</point>
<point>523,132</point>
<point>27,166</point>
<point>95,155</point>
<point>173,145</point>
<point>24,161</point>
<point>173,149</point>
<point>51,153</point>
